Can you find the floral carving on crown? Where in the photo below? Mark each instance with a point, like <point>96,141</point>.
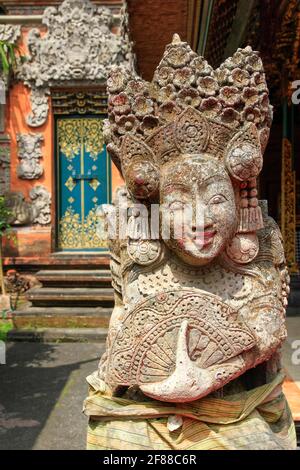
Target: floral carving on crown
<point>191,108</point>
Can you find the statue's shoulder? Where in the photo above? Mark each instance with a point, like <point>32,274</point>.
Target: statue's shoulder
<point>271,252</point>
<point>112,225</point>
<point>271,243</point>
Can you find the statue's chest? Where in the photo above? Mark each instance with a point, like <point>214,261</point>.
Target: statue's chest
<point>160,304</point>
<point>235,289</point>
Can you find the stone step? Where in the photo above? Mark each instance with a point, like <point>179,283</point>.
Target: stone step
<point>65,278</point>
<point>84,297</point>
<point>50,335</point>
<point>62,261</point>
<point>62,317</point>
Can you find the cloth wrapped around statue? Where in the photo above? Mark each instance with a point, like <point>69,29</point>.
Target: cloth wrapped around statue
<point>192,357</point>
<point>255,419</point>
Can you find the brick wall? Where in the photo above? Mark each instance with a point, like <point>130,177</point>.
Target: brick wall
<point>152,25</point>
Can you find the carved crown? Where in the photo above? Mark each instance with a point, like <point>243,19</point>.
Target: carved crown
<point>189,109</point>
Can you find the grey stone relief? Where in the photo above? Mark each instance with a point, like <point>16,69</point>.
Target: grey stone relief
<point>29,153</point>
<point>35,211</point>
<point>79,45</point>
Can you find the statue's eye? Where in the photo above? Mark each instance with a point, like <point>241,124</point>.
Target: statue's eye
<point>217,199</point>
<point>176,206</point>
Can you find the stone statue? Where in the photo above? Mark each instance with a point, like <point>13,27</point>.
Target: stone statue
<point>199,315</point>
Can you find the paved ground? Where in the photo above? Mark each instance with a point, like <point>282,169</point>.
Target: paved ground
<point>42,388</point>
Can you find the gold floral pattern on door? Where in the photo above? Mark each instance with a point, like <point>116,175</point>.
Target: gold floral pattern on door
<point>71,133</point>
<point>75,234</point>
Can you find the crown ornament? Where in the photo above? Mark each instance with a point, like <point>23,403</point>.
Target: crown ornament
<point>191,109</point>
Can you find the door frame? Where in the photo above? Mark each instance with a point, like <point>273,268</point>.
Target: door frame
<point>55,248</point>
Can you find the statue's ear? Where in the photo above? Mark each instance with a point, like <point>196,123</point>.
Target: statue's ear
<point>139,169</point>
<point>264,135</point>
<point>243,155</point>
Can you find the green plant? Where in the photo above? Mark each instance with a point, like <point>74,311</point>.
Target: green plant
<point>8,56</point>
<point>5,327</point>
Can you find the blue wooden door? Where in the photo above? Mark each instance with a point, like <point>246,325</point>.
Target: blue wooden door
<point>84,182</point>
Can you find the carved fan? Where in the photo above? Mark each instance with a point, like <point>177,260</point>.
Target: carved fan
<point>213,335</point>
<point>203,349</point>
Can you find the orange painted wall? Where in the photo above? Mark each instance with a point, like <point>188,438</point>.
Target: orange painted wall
<point>34,241</point>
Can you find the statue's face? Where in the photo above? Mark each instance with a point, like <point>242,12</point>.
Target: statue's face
<point>198,204</point>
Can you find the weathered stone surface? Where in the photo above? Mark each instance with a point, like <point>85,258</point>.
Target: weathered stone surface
<point>41,201</point>
<point>36,211</point>
<point>4,164</point>
<point>193,312</point>
<point>9,32</point>
<point>29,153</point>
<point>80,45</point>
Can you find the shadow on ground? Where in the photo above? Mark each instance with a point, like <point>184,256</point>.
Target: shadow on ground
<point>42,387</point>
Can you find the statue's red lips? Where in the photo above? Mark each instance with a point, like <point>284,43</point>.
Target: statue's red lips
<point>205,237</point>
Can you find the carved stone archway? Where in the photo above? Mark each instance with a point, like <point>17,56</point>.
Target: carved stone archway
<point>79,48</point>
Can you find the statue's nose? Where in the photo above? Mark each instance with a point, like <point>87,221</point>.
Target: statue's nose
<point>202,221</point>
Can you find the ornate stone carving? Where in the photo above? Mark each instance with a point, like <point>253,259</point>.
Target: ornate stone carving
<point>41,200</point>
<point>29,146</point>
<point>22,211</point>
<point>288,205</point>
<point>4,164</point>
<point>39,107</point>
<point>79,45</point>
<point>209,304</point>
<point>79,102</point>
<point>9,32</point>
<point>36,211</point>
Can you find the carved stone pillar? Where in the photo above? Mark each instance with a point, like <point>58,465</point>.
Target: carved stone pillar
<point>288,185</point>
<point>288,205</point>
<point>4,163</point>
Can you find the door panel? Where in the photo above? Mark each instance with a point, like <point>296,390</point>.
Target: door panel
<point>84,182</point>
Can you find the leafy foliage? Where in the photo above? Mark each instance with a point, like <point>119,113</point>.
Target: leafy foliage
<point>8,57</point>
<point>5,327</point>
<point>4,216</point>
<point>4,228</point>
